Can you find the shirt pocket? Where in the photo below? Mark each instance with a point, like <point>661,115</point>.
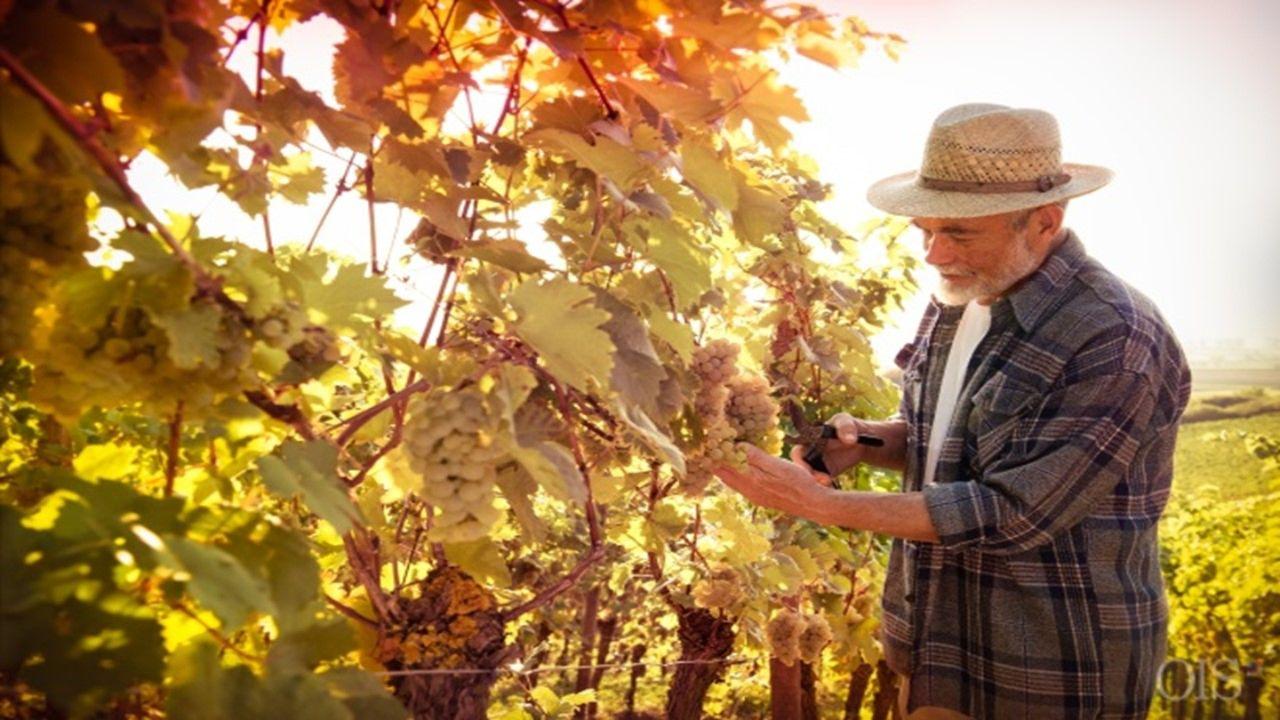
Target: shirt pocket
<point>996,408</point>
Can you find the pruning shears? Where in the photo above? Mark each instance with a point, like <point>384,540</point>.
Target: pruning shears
<point>814,438</point>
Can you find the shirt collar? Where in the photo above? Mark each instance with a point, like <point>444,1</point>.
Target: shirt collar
<point>1038,293</point>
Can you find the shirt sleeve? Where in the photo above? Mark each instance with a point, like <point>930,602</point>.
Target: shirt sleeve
<point>1065,455</point>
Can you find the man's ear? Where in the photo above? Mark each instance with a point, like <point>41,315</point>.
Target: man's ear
<point>1045,222</point>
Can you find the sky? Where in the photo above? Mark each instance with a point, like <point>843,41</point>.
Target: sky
<point>1177,97</point>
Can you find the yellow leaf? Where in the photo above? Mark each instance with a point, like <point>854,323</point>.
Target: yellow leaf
<point>561,321</point>
<point>707,173</point>
<point>606,157</point>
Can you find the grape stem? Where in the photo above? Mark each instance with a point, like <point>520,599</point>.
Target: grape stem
<point>175,440</point>
<point>355,422</point>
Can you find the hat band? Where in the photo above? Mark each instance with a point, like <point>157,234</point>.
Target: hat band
<point>1044,183</point>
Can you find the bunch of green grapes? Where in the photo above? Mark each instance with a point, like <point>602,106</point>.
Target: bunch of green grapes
<point>793,636</point>
<point>720,590</point>
<point>716,362</point>
<point>454,444</point>
<point>815,636</point>
<point>718,448</point>
<point>282,327</point>
<point>783,635</point>
<point>127,358</point>
<point>751,410</point>
<point>43,228</point>
<point>731,408</point>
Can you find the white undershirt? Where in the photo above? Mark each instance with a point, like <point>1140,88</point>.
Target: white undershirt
<point>974,324</point>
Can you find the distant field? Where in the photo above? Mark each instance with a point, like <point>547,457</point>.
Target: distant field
<point>1202,457</point>
<point>1208,379</point>
<point>1228,404</point>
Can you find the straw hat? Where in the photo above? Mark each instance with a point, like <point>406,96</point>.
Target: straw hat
<point>984,159</point>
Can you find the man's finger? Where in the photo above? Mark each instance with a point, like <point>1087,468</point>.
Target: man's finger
<point>846,428</point>
<point>797,456</point>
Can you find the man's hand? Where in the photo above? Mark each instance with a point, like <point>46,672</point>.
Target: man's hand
<point>841,452</point>
<point>776,483</point>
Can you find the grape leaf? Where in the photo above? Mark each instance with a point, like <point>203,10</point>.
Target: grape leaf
<point>553,466</point>
<point>560,321</point>
<point>679,102</point>
<point>637,371</point>
<point>518,487</point>
<point>510,254</point>
<point>310,468</point>
<point>108,461</point>
<point>297,179</point>
<point>760,213</point>
<point>650,436</point>
<point>219,581</point>
<point>708,174</point>
<point>672,250</point>
<point>765,102</point>
<point>606,157</point>
<point>193,335</point>
<point>350,294</point>
<point>66,57</point>
<point>481,559</point>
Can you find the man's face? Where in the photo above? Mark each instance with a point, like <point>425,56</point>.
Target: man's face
<point>978,257</point>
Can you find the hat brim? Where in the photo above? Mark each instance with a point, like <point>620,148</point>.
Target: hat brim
<point>901,195</point>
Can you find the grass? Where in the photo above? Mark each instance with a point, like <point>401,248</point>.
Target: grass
<point>1212,452</point>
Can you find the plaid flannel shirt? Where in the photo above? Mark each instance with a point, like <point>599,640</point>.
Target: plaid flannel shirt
<point>1044,598</point>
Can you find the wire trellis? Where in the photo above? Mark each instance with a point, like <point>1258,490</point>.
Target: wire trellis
<point>520,671</point>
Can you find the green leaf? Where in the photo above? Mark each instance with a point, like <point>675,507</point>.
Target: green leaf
<point>23,124</point>
<point>67,58</point>
<point>518,487</point>
<point>553,466</point>
<point>649,435</point>
<point>193,336</point>
<point>481,559</point>
<point>678,335</point>
<point>606,157</point>
<point>300,650</point>
<point>293,576</point>
<point>298,178</point>
<point>112,461</point>
<point>310,468</point>
<point>510,254</point>
<point>825,49</point>
<point>200,688</point>
<point>707,173</point>
<point>637,371</point>
<point>363,693</point>
<point>351,294</point>
<point>686,104</point>
<point>424,360</point>
<point>560,321</point>
<point>220,582</point>
<point>671,248</point>
<point>765,102</point>
<point>760,214</point>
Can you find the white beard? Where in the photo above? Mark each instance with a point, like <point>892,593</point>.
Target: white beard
<point>1022,263</point>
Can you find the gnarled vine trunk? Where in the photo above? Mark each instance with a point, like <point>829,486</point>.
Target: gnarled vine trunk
<point>704,639</point>
<point>454,624</point>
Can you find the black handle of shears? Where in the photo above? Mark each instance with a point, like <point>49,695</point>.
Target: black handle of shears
<point>814,454</point>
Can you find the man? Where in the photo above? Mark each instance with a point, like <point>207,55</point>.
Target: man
<point>1040,404</point>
